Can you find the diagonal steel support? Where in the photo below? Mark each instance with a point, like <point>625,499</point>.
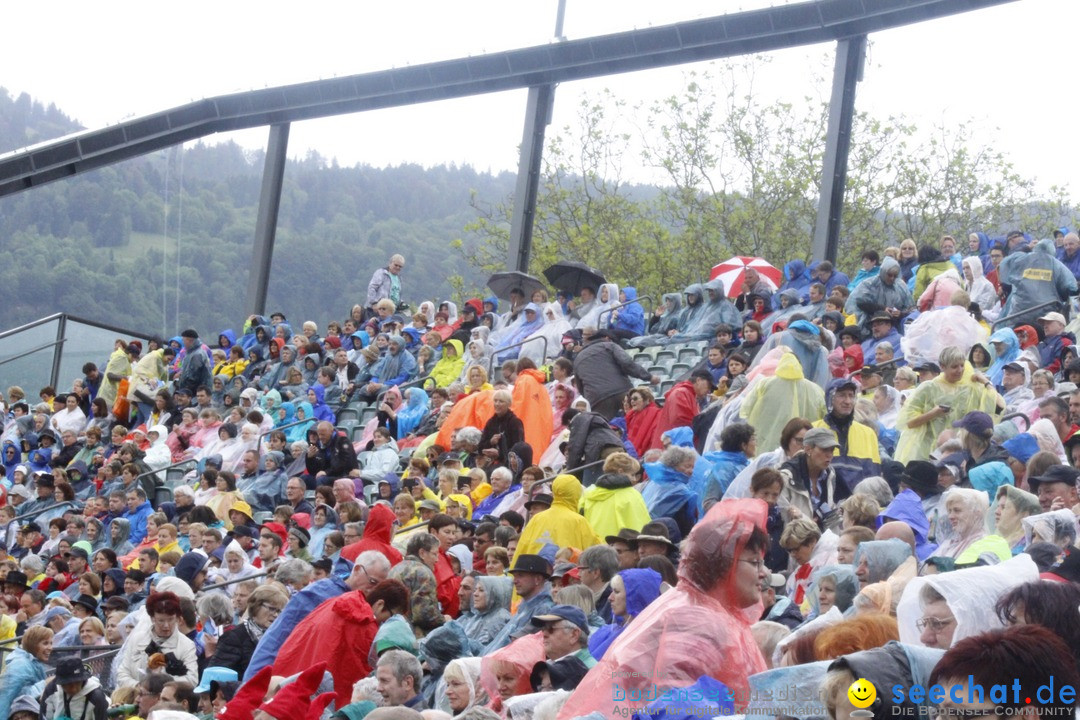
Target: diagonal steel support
<point>266,223</point>
<point>847,72</point>
<point>537,117</point>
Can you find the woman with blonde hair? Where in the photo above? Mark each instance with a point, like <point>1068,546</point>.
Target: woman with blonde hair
<point>26,667</point>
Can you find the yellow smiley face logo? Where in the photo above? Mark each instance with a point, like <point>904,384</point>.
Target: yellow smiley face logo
<point>862,693</point>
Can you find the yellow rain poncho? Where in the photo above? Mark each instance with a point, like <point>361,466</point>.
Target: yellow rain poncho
<point>449,366</point>
<point>962,397</point>
<point>560,524</point>
<point>613,504</point>
<point>772,402</point>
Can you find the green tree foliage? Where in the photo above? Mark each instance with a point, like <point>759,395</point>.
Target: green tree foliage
<point>740,176</point>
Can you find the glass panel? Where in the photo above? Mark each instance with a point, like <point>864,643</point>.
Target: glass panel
<point>85,343</point>
<point>30,372</point>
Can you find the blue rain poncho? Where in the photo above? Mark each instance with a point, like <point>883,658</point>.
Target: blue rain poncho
<point>641,586</point>
<point>413,413</point>
<point>1009,353</point>
<point>846,586</point>
<point>1036,277</point>
<point>797,278</point>
<point>804,339</point>
<point>631,318</point>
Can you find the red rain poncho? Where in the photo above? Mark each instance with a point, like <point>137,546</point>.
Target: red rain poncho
<point>522,654</point>
<point>340,631</point>
<point>691,630</point>
<point>378,533</point>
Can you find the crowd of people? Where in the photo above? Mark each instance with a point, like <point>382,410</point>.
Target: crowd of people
<point>436,514</point>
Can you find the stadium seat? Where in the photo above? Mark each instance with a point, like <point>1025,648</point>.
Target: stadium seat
<point>679,369</point>
<point>357,433</point>
<point>367,414</point>
<point>263,517</point>
<point>362,458</point>
<point>347,426</point>
<point>666,385</point>
<point>175,476</point>
<point>162,494</point>
<point>658,370</point>
<point>348,413</point>
<point>689,355</point>
<point>665,355</point>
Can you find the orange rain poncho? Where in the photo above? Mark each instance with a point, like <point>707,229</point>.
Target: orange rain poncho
<point>700,627</point>
<point>532,404</point>
<point>470,411</point>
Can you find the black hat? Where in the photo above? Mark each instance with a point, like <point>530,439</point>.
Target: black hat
<point>1068,570</point>
<point>539,499</point>
<point>190,333</point>
<point>301,534</point>
<point>87,601</point>
<point>80,552</point>
<point>534,564</point>
<point>850,330</point>
<point>15,577</point>
<point>928,365</point>
<point>881,317</point>
<point>704,375</point>
<point>656,532</point>
<point>133,349</point>
<point>71,670</point>
<point>1055,474</point>
<point>922,477</point>
<point>625,535</point>
<point>245,531</point>
<point>30,527</point>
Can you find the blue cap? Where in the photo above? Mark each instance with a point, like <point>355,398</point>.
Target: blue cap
<point>1021,447</point>
<point>569,613</point>
<point>219,674</point>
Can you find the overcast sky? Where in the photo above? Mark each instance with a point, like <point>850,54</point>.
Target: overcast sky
<point>1007,68</point>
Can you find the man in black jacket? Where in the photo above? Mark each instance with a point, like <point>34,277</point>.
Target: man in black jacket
<point>591,440</point>
<point>332,457</point>
<point>602,372</point>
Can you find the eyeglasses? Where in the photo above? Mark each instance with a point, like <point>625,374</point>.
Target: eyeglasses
<point>272,609</point>
<point>934,624</point>
<point>372,582</point>
<point>759,563</point>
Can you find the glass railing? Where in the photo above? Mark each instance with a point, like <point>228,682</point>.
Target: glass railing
<point>53,350</point>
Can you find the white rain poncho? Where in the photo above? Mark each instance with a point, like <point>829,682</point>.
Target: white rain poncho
<point>769,405</point>
<point>973,506</point>
<point>962,397</point>
<point>555,325</point>
<point>971,594</point>
<point>936,330</point>
<point>1057,527</point>
<point>980,289</point>
<point>600,307</point>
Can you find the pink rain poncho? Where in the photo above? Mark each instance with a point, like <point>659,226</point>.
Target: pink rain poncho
<point>700,627</point>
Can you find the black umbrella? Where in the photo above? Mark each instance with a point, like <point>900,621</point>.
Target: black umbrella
<point>571,276</point>
<point>501,283</point>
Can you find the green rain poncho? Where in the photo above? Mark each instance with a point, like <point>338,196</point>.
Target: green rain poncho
<point>773,402</point>
<point>962,397</point>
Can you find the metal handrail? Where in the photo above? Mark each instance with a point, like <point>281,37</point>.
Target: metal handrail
<point>652,304</point>
<point>1025,311</point>
<point>31,351</point>
<point>51,508</point>
<point>1022,416</point>
<point>148,473</point>
<point>402,386</point>
<point>496,353</point>
<point>413,527</point>
<point>76,318</point>
<point>282,427</point>
<point>232,582</point>
<point>571,471</point>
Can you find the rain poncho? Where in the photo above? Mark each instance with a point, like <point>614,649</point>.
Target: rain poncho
<point>874,294</point>
<point>797,278</point>
<point>893,403</point>
<point>670,318</point>
<point>980,289</point>
<point>450,365</point>
<point>560,524</point>
<point>631,317</point>
<point>933,331</point>
<point>715,310</point>
<point>971,524</point>
<point>962,397</point>
<point>971,595</point>
<point>530,402</point>
<point>224,574</point>
<point>894,665</point>
<point>1036,277</point>
<point>554,326</point>
<point>599,306</point>
<point>482,626</point>
<point>410,415</point>
<point>670,634</point>
<point>613,504</point>
<point>318,534</point>
<point>883,557</point>
<point>845,582</point>
<point>1009,353</point>
<point>792,691</point>
<point>1057,527</point>
<point>907,507</point>
<point>319,407</point>
<point>299,432</point>
<point>396,366</point>
<point>642,587</point>
<point>505,349</point>
<point>521,655</point>
<point>668,493</point>
<point>770,404</point>
<point>804,339</point>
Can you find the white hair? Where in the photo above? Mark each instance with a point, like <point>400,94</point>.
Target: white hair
<point>370,559</point>
<point>502,472</point>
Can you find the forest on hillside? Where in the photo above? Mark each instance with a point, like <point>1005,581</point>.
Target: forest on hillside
<point>133,243</point>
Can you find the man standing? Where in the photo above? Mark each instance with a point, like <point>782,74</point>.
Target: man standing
<point>386,283</point>
<point>602,372</point>
<point>195,367</point>
<point>1037,277</point>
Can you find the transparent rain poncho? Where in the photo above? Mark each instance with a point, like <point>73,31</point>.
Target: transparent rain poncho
<point>700,627</point>
<point>961,397</point>
<point>936,330</point>
<point>1057,527</point>
<point>770,404</point>
<point>971,595</point>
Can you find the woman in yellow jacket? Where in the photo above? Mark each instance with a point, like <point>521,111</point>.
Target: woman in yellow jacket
<point>561,524</point>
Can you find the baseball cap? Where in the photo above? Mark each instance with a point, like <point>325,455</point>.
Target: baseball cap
<point>978,423</point>
<point>1055,474</point>
<point>568,613</point>
<point>927,365</point>
<point>881,317</point>
<point>1053,317</point>
<point>1014,367</point>
<point>55,612</point>
<point>19,490</point>
<point>821,438</point>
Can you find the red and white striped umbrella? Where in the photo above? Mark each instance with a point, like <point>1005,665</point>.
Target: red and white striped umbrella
<point>731,271</point>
